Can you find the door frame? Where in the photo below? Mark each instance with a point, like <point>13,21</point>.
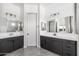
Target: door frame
<point>37,29</point>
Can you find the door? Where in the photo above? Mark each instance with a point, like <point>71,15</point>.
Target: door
<point>31,29</point>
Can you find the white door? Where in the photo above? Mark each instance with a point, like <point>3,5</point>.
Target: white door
<point>31,29</point>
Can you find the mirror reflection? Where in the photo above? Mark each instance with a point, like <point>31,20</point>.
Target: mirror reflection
<point>10,23</point>
<point>60,25</point>
<point>14,26</point>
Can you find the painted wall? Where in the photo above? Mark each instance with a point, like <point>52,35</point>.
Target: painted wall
<point>42,16</point>
<point>31,7</point>
<point>77,23</point>
<point>10,8</point>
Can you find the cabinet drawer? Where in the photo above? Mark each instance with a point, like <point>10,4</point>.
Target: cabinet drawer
<point>69,42</point>
<point>69,49</point>
<point>69,53</point>
<point>68,46</point>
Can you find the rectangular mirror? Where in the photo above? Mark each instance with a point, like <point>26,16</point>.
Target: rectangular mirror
<point>10,24</point>
<point>60,25</point>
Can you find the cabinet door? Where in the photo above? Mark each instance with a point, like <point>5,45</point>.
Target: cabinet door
<point>54,45</point>
<point>69,48</point>
<point>11,44</point>
<point>43,41</point>
<point>21,41</point>
<point>49,45</point>
<point>16,43</point>
<point>6,46</point>
<point>58,45</point>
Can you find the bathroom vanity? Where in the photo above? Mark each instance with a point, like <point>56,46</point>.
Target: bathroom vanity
<point>11,28</point>
<point>61,46</point>
<point>11,43</point>
<point>60,35</point>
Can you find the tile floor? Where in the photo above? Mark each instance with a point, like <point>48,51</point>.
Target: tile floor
<point>31,51</point>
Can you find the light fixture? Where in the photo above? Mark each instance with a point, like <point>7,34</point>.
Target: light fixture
<point>13,24</point>
<point>55,14</point>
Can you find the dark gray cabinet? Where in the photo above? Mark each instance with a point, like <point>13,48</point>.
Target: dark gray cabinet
<point>43,42</point>
<point>69,48</point>
<point>21,41</point>
<point>16,43</point>
<point>48,44</point>
<point>59,46</point>
<point>54,45</point>
<point>10,44</point>
<point>6,45</point>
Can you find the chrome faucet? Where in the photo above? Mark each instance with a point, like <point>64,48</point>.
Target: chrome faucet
<point>54,34</point>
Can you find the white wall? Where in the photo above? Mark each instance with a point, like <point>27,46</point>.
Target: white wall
<point>77,20</point>
<point>42,16</point>
<point>10,8</point>
<point>31,8</point>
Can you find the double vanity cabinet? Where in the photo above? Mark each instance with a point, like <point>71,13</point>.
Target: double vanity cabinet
<point>11,44</point>
<point>60,46</point>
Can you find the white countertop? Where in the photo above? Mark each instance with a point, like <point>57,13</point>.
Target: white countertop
<point>67,36</point>
<point>10,34</point>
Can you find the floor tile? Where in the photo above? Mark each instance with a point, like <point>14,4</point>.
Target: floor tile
<point>31,51</point>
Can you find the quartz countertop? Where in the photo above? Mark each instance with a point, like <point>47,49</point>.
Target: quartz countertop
<point>68,36</point>
<point>10,34</point>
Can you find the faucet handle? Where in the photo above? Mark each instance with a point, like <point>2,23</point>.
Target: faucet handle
<point>54,34</point>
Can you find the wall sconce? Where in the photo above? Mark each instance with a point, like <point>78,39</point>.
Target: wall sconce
<point>10,14</point>
<point>55,14</point>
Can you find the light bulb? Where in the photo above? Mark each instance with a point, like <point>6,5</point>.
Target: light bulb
<point>13,24</point>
